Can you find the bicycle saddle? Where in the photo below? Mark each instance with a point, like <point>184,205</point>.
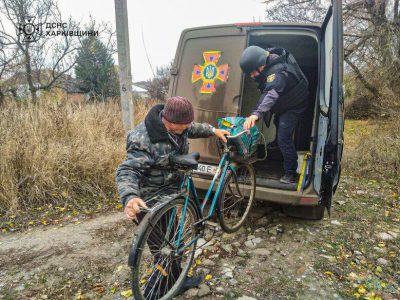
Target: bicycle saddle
<point>186,161</point>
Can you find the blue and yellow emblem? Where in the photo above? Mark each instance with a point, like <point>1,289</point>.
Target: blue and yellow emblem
<point>209,72</point>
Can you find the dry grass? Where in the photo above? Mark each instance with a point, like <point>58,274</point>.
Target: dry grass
<point>372,149</point>
<point>57,153</point>
<point>63,153</point>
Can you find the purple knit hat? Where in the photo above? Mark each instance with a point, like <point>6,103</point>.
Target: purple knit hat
<point>178,110</point>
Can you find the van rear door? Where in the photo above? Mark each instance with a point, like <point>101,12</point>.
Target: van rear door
<point>330,130</point>
<point>206,70</point>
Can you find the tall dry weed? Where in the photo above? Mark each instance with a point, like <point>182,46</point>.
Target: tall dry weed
<point>58,153</point>
<point>372,149</point>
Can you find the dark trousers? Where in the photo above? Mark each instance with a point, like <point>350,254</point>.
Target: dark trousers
<point>285,124</point>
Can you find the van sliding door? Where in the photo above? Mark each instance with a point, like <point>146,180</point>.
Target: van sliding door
<point>330,129</point>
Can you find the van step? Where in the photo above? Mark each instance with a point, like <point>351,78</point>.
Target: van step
<point>276,184</point>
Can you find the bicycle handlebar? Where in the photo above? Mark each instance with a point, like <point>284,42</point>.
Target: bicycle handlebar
<point>237,135</point>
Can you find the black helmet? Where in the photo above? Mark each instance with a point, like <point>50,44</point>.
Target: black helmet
<point>252,58</point>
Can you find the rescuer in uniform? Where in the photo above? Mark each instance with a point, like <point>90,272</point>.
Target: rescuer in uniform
<point>284,92</point>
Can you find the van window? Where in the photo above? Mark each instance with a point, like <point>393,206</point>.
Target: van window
<point>328,64</point>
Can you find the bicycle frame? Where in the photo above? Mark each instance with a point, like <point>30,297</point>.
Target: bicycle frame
<point>224,165</point>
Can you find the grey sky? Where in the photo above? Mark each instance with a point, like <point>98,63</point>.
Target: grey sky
<point>162,23</point>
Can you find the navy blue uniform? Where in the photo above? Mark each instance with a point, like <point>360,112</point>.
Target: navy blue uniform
<point>273,88</point>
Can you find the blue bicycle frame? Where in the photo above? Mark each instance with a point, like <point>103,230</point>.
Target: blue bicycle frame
<point>224,165</point>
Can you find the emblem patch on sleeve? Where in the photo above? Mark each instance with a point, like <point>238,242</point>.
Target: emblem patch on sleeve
<point>271,78</point>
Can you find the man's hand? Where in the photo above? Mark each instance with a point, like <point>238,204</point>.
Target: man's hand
<point>220,133</point>
<point>132,208</point>
<point>250,121</point>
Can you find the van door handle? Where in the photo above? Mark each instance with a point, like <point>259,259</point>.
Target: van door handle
<point>236,99</point>
<point>174,71</point>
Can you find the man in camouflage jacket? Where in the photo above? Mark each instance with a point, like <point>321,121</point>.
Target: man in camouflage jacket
<point>165,130</point>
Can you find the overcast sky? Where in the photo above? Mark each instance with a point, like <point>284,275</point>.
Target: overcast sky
<point>162,22</point>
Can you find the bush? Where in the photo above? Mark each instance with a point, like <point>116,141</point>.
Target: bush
<point>54,152</point>
<point>372,149</point>
<point>362,104</point>
<point>57,153</point>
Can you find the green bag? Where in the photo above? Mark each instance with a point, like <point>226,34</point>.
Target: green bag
<point>246,143</point>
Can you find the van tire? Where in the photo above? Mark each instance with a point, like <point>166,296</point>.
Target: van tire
<point>305,212</point>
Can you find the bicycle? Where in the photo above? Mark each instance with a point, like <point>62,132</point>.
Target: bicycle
<point>166,240</point>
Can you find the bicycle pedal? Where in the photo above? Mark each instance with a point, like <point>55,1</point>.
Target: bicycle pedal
<point>212,226</point>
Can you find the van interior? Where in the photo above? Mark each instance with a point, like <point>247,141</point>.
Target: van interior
<point>304,47</point>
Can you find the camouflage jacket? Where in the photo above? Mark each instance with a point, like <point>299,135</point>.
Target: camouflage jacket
<point>148,148</point>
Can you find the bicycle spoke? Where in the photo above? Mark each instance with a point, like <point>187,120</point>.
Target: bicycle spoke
<point>237,198</point>
<point>158,275</point>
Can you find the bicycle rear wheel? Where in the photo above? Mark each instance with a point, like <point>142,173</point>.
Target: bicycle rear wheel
<point>159,266</point>
<point>236,198</point>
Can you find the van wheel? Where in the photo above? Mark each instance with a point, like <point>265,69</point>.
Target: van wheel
<point>305,212</point>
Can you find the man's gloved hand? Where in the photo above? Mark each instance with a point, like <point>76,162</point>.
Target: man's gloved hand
<point>132,208</point>
<point>220,133</point>
<point>250,121</point>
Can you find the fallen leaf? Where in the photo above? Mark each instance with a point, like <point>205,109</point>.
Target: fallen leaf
<point>127,293</point>
<point>119,268</point>
<point>301,270</point>
<point>362,290</point>
<point>208,277</point>
<point>99,288</point>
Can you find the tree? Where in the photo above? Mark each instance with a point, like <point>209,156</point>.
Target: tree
<point>371,39</point>
<point>95,69</point>
<point>43,61</point>
<point>41,52</point>
<point>157,87</point>
<point>8,63</point>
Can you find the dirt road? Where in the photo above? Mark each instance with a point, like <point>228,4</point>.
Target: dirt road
<point>272,257</point>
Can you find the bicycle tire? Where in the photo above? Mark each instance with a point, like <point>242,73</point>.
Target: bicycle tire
<point>141,251</point>
<point>231,192</point>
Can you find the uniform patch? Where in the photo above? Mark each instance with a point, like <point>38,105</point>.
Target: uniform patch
<point>271,78</point>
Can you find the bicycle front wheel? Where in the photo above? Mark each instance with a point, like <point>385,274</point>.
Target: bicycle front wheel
<point>236,198</point>
<point>163,251</point>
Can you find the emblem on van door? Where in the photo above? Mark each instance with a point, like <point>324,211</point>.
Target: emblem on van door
<point>209,72</point>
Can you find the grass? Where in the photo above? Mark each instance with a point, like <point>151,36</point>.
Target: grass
<point>58,160</point>
<point>372,149</point>
<point>57,157</point>
<point>54,153</point>
<point>365,208</point>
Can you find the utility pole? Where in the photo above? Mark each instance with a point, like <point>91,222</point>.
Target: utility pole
<point>124,63</point>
